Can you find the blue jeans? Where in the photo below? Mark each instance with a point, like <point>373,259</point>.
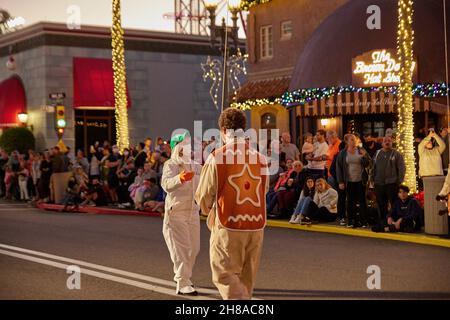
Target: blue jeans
<point>271,201</point>
<point>302,205</point>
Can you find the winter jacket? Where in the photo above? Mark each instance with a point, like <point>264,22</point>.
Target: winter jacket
<point>430,160</point>
<point>342,167</point>
<point>395,170</point>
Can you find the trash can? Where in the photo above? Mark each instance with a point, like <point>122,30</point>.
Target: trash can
<point>434,223</point>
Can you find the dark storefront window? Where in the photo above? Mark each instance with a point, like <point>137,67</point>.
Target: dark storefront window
<point>92,126</point>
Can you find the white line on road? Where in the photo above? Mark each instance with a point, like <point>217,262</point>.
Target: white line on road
<point>102,275</point>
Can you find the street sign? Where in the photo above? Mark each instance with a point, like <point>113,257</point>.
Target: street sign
<point>57,95</point>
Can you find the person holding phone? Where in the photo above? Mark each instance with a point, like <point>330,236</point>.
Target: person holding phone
<point>430,151</point>
<point>181,226</point>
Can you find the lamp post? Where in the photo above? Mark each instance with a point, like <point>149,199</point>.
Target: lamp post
<point>225,38</point>
<point>23,118</point>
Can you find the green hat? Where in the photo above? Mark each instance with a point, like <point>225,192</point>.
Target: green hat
<point>176,139</point>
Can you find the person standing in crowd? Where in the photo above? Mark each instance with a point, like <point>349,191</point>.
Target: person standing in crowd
<point>317,160</point>
<point>342,203</point>
<point>370,144</point>
<point>3,162</point>
<point>181,226</point>
<point>141,157</point>
<point>333,149</point>
<point>289,148</point>
<point>94,163</point>
<point>352,177</point>
<point>323,208</point>
<point>232,194</point>
<point>405,216</point>
<point>443,133</point>
<point>113,162</point>
<point>35,171</point>
<point>307,148</point>
<point>23,175</point>
<point>148,145</point>
<point>306,196</point>
<point>57,160</point>
<point>82,161</point>
<point>159,144</point>
<point>387,175</point>
<point>44,183</point>
<point>430,151</point>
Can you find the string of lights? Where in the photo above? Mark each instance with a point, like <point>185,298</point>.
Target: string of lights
<point>120,93</point>
<point>405,137</point>
<point>247,4</point>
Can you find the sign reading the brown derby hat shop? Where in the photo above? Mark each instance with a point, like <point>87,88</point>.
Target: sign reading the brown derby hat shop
<point>377,68</point>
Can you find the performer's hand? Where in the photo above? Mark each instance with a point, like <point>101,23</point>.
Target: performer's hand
<point>186,176</point>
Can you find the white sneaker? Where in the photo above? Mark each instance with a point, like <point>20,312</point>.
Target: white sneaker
<point>293,218</point>
<point>187,290</point>
<point>298,219</point>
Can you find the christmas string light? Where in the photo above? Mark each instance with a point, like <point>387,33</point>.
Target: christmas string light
<point>405,126</point>
<point>304,96</point>
<point>247,4</point>
<point>249,104</point>
<point>212,70</point>
<point>120,90</point>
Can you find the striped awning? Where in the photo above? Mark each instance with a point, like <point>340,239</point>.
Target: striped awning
<point>357,103</point>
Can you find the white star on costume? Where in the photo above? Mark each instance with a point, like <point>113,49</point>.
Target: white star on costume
<point>238,190</point>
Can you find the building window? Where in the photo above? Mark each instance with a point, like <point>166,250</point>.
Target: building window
<point>266,42</point>
<point>286,30</point>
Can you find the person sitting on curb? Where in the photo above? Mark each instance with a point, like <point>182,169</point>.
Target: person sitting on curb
<point>405,215</point>
<point>323,208</point>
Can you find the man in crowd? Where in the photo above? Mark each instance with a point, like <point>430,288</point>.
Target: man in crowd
<point>371,145</point>
<point>289,148</point>
<point>387,174</point>
<point>317,160</point>
<point>443,133</point>
<point>333,150</point>
<point>405,216</point>
<point>3,161</point>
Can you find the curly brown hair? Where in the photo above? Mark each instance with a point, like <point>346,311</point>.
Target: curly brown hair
<point>232,118</point>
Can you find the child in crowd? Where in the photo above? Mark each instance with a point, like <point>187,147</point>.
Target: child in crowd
<point>308,147</point>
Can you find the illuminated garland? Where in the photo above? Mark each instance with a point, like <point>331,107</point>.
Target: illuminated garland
<point>247,4</point>
<point>120,90</point>
<point>249,104</point>
<point>405,137</point>
<point>304,96</point>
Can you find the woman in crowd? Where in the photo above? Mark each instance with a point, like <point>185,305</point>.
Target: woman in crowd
<point>34,165</point>
<point>44,182</point>
<point>94,163</point>
<point>82,161</point>
<point>23,176</point>
<point>351,165</point>
<point>286,198</point>
<point>279,186</point>
<point>430,151</point>
<point>324,204</point>
<point>306,196</point>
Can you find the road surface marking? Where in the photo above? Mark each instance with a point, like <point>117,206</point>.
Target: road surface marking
<point>102,275</point>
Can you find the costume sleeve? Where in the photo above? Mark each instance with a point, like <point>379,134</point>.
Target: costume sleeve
<point>170,180</point>
<point>205,196</point>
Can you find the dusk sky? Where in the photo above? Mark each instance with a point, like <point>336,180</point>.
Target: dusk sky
<point>138,14</point>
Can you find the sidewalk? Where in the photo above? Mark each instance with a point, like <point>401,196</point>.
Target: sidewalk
<point>420,238</point>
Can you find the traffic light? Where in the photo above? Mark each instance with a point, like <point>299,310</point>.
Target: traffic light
<point>60,118</point>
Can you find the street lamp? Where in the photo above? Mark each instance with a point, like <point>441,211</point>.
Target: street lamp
<point>228,37</point>
<point>23,118</point>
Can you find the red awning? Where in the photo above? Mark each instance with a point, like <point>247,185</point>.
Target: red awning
<point>259,89</point>
<point>93,84</point>
<point>12,101</point>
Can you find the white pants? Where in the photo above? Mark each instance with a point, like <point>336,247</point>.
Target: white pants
<point>181,232</point>
<point>23,189</point>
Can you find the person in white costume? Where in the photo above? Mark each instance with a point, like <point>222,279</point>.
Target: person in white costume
<point>181,227</point>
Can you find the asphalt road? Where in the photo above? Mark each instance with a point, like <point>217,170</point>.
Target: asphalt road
<point>125,257</point>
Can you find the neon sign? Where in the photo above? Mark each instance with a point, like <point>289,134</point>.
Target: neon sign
<point>377,68</point>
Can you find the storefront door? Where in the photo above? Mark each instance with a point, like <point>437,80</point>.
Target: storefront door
<point>92,126</point>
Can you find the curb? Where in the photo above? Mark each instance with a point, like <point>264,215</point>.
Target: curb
<point>404,237</point>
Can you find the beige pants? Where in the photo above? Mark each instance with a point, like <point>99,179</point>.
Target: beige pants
<point>235,257</point>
